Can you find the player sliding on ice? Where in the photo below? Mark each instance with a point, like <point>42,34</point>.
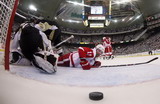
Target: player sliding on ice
<point>84,58</point>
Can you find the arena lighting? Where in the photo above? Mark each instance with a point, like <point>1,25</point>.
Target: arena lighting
<point>71,21</point>
<point>138,17</point>
<point>115,21</point>
<point>122,1</point>
<point>123,19</point>
<point>130,18</point>
<point>55,18</point>
<point>96,17</point>
<point>121,41</point>
<point>135,18</point>
<point>76,3</point>
<point>32,7</point>
<point>96,25</point>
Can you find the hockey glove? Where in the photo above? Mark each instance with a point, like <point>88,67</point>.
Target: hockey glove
<point>85,64</point>
<point>96,64</point>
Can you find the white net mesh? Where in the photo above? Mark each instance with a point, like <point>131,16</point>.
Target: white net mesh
<point>6,7</point>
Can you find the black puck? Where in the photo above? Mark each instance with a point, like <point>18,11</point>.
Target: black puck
<point>96,95</point>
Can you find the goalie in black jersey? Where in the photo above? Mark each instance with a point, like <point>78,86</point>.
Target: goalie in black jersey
<point>31,46</point>
<point>52,31</point>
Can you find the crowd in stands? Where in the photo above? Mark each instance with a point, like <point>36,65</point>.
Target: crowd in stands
<point>150,43</point>
<point>153,21</point>
<point>95,39</point>
<point>91,36</point>
<point>130,28</point>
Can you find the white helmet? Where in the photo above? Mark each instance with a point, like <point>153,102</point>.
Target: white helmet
<point>100,47</point>
<point>104,38</point>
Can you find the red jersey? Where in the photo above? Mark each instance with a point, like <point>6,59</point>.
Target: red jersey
<point>107,44</point>
<point>84,57</point>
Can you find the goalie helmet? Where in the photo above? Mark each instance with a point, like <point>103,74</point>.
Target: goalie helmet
<point>100,48</point>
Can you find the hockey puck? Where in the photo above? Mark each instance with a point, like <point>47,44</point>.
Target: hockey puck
<point>96,95</point>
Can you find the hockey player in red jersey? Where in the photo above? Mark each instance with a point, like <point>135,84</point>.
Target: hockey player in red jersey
<point>84,58</point>
<point>108,46</point>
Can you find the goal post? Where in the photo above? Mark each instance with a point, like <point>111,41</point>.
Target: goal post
<point>7,13</point>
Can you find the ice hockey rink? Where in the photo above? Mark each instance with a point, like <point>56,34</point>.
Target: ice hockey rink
<point>137,84</point>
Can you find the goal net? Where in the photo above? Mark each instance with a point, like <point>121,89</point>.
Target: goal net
<point>7,13</point>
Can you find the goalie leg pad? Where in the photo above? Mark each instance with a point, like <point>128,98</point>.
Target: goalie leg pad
<point>47,66</point>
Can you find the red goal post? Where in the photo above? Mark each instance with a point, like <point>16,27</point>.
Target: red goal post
<point>7,13</point>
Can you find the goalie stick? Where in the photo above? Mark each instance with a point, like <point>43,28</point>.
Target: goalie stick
<point>132,64</point>
<point>63,41</point>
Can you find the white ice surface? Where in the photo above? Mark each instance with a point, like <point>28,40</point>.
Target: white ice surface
<point>106,76</point>
<point>15,89</point>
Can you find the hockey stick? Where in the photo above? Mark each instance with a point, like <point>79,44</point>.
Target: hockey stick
<point>132,64</point>
<point>64,41</point>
